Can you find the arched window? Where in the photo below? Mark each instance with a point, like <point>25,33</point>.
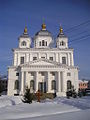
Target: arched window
<point>69,85</point>
<point>53,85</point>
<point>23,43</point>
<point>22,60</point>
<point>62,43</point>
<point>16,86</point>
<point>63,60</point>
<point>46,43</point>
<point>42,42</point>
<point>32,84</point>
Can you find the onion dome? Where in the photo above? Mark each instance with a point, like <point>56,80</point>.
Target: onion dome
<point>61,34</point>
<point>25,30</point>
<point>25,33</point>
<point>61,30</point>
<point>43,31</point>
<point>43,26</point>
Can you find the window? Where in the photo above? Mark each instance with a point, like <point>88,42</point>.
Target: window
<point>68,74</point>
<point>22,60</point>
<point>51,58</point>
<point>53,85</point>
<point>23,43</point>
<point>63,60</point>
<point>32,84</point>
<point>42,42</point>
<point>34,58</point>
<point>16,86</point>
<point>53,73</point>
<point>69,84</point>
<point>32,73</point>
<point>43,57</point>
<point>42,73</point>
<point>62,43</point>
<point>46,43</point>
<point>17,74</point>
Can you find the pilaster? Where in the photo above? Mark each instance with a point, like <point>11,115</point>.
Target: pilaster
<point>48,82</point>
<point>59,82</point>
<point>36,81</point>
<point>22,83</point>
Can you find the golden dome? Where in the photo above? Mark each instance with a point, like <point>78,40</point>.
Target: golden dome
<point>43,26</point>
<point>25,30</point>
<point>61,29</point>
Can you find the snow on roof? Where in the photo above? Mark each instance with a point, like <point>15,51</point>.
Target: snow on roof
<point>84,81</point>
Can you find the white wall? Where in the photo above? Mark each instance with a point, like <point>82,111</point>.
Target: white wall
<point>11,80</point>
<point>57,55</point>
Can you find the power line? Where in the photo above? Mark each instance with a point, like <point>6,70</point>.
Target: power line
<point>79,40</point>
<point>77,34</point>
<point>76,26</point>
<point>82,37</point>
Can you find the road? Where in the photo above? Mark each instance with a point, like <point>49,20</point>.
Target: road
<point>78,115</point>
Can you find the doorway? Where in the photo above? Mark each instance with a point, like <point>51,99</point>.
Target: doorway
<point>42,86</point>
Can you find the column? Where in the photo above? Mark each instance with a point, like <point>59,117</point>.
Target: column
<point>57,57</point>
<point>58,82</point>
<point>60,60</point>
<point>30,57</point>
<point>63,82</point>
<point>15,59</point>
<point>26,80</point>
<point>36,81</point>
<point>47,56</point>
<point>68,59</point>
<point>27,57</point>
<point>61,77</point>
<point>72,59</point>
<point>48,82</point>
<point>18,58</point>
<point>22,82</point>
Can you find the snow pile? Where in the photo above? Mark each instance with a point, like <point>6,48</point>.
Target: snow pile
<point>9,100</point>
<point>81,103</point>
<point>24,111</point>
<point>11,107</point>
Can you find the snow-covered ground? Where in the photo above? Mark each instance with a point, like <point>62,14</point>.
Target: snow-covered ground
<point>59,108</point>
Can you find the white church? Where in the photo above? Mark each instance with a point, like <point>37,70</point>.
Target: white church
<point>43,67</point>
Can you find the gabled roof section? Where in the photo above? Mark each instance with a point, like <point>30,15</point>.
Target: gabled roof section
<point>44,62</point>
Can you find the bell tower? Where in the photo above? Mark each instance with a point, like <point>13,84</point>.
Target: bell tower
<point>24,39</point>
<point>62,39</point>
<point>43,38</point>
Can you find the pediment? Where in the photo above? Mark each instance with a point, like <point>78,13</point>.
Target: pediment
<point>42,62</point>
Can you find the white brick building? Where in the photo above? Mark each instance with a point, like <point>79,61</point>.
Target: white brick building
<point>42,67</point>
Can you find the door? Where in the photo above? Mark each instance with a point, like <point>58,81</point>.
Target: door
<point>42,86</point>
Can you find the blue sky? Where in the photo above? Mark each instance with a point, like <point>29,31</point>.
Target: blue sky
<point>15,14</point>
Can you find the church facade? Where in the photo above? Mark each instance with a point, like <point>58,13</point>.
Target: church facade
<point>44,68</point>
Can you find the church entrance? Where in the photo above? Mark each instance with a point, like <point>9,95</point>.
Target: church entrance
<point>42,86</point>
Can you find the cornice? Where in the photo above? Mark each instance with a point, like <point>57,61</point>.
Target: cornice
<point>42,49</point>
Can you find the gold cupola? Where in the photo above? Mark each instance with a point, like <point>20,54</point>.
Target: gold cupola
<point>25,30</point>
<point>43,26</point>
<point>61,30</point>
